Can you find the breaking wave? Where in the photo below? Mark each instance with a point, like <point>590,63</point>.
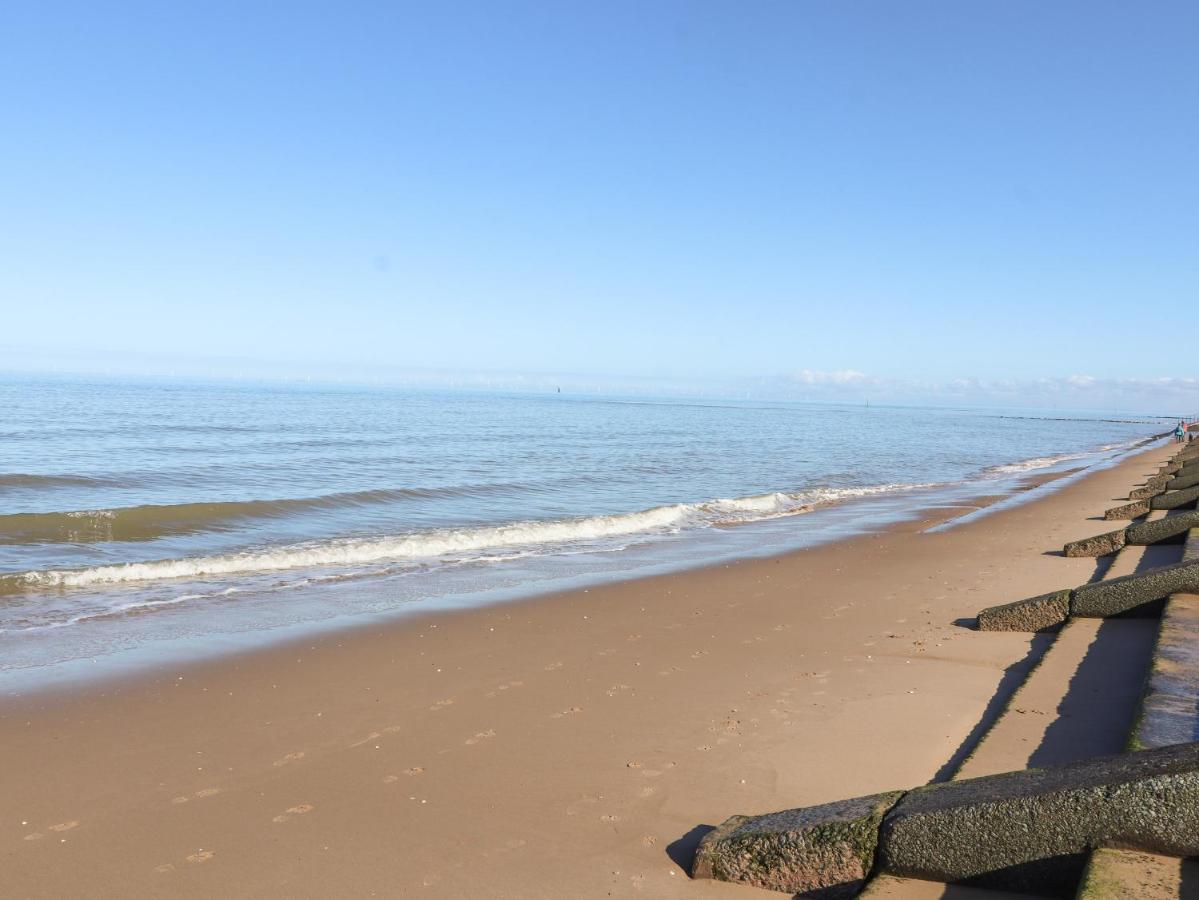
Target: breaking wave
<point>1044,462</point>
<point>452,543</point>
<point>144,523</point>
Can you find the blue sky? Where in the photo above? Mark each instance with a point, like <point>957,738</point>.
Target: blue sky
<point>772,192</point>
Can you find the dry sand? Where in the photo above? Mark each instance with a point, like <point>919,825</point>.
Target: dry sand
<point>570,745</point>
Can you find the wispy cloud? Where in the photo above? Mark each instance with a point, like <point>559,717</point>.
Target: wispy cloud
<point>842,376</point>
<point>1159,395</point>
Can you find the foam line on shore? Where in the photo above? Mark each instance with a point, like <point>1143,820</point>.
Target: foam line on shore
<point>454,543</point>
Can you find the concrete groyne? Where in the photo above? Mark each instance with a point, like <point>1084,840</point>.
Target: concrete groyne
<point>1087,824</point>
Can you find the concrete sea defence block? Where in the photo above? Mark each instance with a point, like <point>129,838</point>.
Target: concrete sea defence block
<point>1043,613</point>
<point>1170,705</point>
<point>1132,510</point>
<point>1147,492</point>
<point>1099,545</point>
<point>1190,479</point>
<point>1175,499</point>
<point>1032,829</point>
<point>1145,533</point>
<point>822,851</point>
<point>1119,595</point>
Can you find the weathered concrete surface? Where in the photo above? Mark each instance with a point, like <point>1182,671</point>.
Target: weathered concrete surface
<point>1144,533</point>
<point>1119,595</point>
<point>1133,510</point>
<point>1032,829</point>
<point>1043,613</point>
<point>1184,480</point>
<point>1175,499</point>
<point>821,851</point>
<point>1099,545</point>
<point>1170,705</point>
<point>1146,493</point>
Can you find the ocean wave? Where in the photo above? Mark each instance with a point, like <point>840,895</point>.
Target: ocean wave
<point>452,543</point>
<point>147,522</point>
<point>1045,462</point>
<point>24,480</point>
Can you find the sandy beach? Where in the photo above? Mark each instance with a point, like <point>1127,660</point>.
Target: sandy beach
<point>575,744</point>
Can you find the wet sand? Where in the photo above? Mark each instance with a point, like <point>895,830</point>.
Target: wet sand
<point>569,745</point>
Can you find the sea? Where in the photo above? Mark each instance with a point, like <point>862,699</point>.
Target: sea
<point>144,522</point>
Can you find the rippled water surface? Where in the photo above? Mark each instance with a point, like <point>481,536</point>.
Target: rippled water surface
<point>139,515</point>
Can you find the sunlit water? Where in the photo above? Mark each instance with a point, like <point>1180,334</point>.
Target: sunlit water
<point>142,520</point>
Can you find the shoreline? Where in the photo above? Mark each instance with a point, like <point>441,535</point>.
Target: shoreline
<point>586,734</point>
<point>976,497</point>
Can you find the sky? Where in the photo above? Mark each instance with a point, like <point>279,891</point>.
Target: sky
<point>818,197</point>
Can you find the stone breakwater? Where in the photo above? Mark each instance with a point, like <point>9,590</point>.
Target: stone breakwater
<point>1051,829</point>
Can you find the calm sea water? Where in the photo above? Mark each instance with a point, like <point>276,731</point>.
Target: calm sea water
<point>144,520</point>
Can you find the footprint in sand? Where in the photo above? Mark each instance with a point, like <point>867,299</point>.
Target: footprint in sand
<point>390,779</point>
<point>165,867</point>
<point>507,686</point>
<point>480,736</point>
<point>566,712</point>
<point>298,810</point>
<point>616,689</point>
<point>295,756</point>
<point>34,836</point>
<point>648,773</point>
<point>368,738</point>
<point>647,792</point>
<point>415,770</point>
<point>649,841</point>
<point>441,704</point>
<point>198,795</point>
<point>201,856</point>
<point>554,665</point>
<point>64,826</point>
<point>609,818</point>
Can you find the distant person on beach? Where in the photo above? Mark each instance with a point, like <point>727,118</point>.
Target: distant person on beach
<point>1179,433</point>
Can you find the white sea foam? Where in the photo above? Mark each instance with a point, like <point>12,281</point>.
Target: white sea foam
<point>455,544</point>
<point>1045,462</point>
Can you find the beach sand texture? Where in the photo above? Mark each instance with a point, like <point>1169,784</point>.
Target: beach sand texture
<point>570,745</point>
